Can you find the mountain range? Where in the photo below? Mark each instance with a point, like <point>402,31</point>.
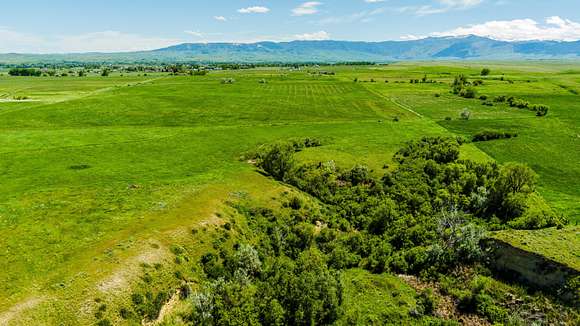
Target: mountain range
<point>440,48</point>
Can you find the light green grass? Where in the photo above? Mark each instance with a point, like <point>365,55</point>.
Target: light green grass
<point>376,299</point>
<point>562,246</point>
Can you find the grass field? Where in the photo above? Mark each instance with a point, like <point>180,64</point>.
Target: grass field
<point>93,168</point>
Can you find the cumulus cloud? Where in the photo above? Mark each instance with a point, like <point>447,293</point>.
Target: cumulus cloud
<point>307,8</point>
<point>316,36</point>
<point>553,28</point>
<point>220,18</point>
<point>254,10</point>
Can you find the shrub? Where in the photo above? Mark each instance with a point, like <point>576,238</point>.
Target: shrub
<point>228,81</point>
<point>24,72</point>
<point>492,135</point>
<point>426,302</point>
<point>468,92</point>
<point>104,322</point>
<point>518,103</point>
<point>465,114</point>
<point>485,72</point>
<point>540,109</point>
<point>499,99</point>
<point>277,160</point>
<point>537,215</point>
<point>438,149</point>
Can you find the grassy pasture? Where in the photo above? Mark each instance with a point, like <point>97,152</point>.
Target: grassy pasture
<point>94,164</point>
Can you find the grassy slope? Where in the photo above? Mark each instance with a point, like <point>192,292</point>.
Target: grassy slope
<point>559,245</point>
<point>168,137</point>
<point>373,299</point>
<point>173,136</point>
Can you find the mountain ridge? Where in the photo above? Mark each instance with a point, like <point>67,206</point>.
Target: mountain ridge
<point>331,51</point>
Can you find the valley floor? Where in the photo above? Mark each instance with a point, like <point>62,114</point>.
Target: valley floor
<point>100,177</point>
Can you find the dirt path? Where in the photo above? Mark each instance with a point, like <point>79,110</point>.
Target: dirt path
<point>166,310</point>
<point>17,310</point>
<point>394,101</point>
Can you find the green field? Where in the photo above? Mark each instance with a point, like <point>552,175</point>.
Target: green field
<point>94,169</point>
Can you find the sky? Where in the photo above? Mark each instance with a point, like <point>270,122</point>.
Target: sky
<point>66,26</point>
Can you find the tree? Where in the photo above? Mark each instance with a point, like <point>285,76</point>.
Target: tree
<point>277,161</point>
<point>465,114</point>
<point>485,72</point>
<point>511,189</point>
<point>468,92</point>
<point>105,72</point>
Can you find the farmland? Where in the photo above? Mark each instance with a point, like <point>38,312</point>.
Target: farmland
<point>100,175</point>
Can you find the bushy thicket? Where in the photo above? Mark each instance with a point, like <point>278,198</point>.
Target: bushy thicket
<point>430,179</point>
<point>492,135</point>
<point>25,72</point>
<point>425,217</point>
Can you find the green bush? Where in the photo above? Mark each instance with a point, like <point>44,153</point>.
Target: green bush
<point>468,92</point>
<point>487,135</point>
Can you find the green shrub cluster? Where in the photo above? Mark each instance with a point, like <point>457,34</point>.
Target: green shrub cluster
<point>25,72</point>
<point>540,109</point>
<point>425,217</point>
<point>492,135</point>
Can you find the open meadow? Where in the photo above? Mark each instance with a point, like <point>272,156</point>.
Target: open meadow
<point>100,176</point>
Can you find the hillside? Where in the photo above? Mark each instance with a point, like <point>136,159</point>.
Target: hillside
<point>445,48</point>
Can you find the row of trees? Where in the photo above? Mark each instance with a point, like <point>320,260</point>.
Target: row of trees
<point>25,72</point>
<point>463,87</point>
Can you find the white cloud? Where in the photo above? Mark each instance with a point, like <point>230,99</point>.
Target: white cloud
<point>307,8</point>
<point>220,18</point>
<point>110,41</point>
<point>316,36</point>
<point>12,41</point>
<point>554,28</point>
<point>460,3</point>
<point>374,1</point>
<point>443,7</point>
<point>194,33</point>
<point>363,16</point>
<point>106,41</point>
<point>254,10</point>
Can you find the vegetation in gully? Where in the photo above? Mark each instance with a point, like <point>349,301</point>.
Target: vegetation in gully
<point>352,194</point>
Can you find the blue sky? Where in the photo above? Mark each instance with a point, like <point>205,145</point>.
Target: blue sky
<point>123,25</point>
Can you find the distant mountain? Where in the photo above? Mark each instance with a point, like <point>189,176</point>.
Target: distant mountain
<point>443,48</point>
